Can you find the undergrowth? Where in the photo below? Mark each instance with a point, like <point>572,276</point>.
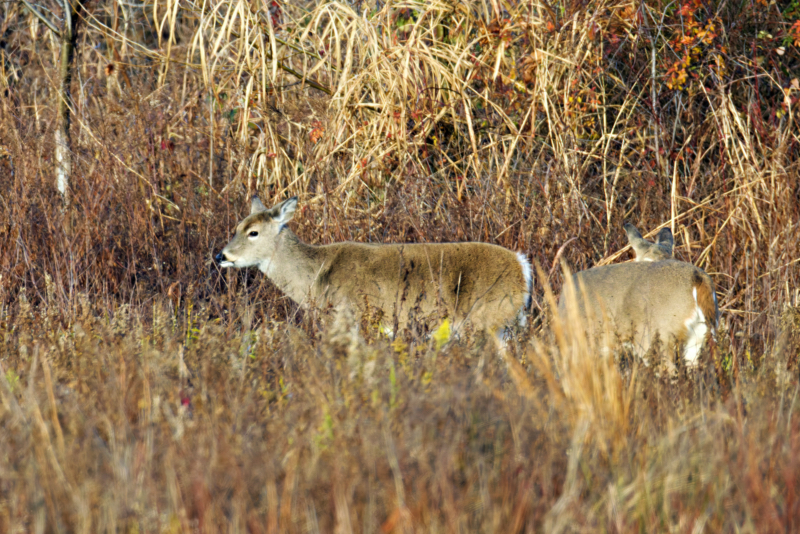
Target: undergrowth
<point>145,390</point>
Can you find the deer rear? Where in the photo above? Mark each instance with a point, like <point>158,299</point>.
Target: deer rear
<point>669,299</point>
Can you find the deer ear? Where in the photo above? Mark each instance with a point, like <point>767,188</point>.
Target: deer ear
<point>665,236</point>
<point>285,211</point>
<point>633,233</point>
<point>256,206</point>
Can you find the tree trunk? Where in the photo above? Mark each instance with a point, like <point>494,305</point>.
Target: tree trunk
<point>63,144</point>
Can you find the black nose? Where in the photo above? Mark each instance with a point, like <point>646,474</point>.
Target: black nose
<point>219,258</point>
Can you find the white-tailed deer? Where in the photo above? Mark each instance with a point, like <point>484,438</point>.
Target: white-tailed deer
<point>672,300</point>
<point>485,285</point>
<point>647,250</point>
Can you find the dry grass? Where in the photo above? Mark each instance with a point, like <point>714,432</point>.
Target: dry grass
<point>144,390</point>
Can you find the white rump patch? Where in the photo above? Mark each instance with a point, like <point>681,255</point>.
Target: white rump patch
<point>716,317</point>
<point>226,264</point>
<point>696,329</point>
<point>527,274</point>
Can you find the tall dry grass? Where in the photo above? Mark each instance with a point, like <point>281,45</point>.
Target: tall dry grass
<point>143,389</point>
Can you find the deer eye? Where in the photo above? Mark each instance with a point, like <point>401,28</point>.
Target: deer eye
<point>253,234</point>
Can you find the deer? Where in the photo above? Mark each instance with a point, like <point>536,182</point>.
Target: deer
<point>645,250</point>
<point>654,297</point>
<point>484,285</point>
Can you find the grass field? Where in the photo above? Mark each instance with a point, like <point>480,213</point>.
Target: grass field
<point>142,389</point>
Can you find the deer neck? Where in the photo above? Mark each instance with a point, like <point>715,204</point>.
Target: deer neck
<point>293,266</point>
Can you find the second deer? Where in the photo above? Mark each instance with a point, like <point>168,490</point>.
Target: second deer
<point>654,297</point>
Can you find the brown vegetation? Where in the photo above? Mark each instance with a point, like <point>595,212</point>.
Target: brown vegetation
<point>144,390</point>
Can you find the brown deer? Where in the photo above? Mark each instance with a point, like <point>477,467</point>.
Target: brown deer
<point>655,296</point>
<point>478,283</point>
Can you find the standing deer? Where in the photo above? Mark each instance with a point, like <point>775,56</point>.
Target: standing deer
<point>478,283</point>
<point>652,297</point>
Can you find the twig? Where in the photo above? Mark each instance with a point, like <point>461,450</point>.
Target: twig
<point>41,17</point>
<point>561,250</point>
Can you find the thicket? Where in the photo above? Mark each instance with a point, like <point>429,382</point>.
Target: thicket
<point>142,389</point>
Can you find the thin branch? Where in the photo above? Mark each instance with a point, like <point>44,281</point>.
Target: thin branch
<point>311,83</point>
<point>41,17</point>
<point>69,10</point>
